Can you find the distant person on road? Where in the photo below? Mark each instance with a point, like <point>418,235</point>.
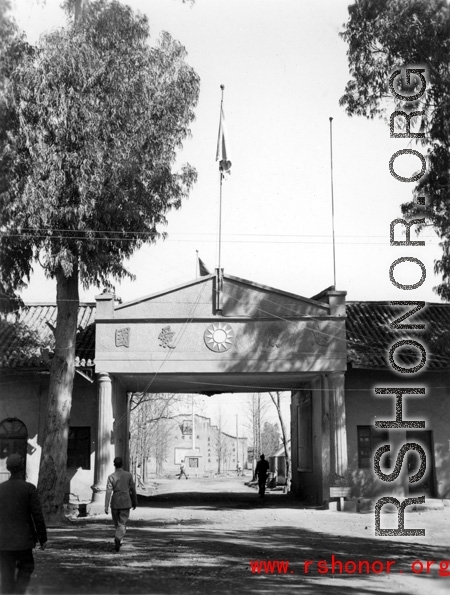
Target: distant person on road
<point>22,525</point>
<point>238,469</point>
<point>121,491</point>
<point>182,470</point>
<point>261,471</point>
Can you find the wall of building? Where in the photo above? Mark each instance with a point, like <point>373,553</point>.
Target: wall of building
<point>83,414</point>
<point>363,407</point>
<point>25,397</point>
<point>310,441</point>
<point>178,446</point>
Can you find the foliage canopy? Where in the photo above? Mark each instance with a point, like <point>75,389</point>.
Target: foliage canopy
<point>91,120</point>
<point>383,35</point>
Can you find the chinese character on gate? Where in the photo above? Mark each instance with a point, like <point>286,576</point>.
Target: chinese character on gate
<point>165,338</point>
<point>123,337</point>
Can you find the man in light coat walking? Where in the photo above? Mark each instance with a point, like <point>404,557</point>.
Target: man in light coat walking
<point>121,493</point>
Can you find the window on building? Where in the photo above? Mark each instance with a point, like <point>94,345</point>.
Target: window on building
<point>187,426</point>
<point>79,447</point>
<point>193,461</point>
<point>369,439</point>
<point>13,440</point>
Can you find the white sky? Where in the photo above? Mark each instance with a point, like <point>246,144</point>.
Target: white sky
<point>284,68</point>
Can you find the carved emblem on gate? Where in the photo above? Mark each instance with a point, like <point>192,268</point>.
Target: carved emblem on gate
<point>123,337</point>
<point>219,337</point>
<point>166,337</point>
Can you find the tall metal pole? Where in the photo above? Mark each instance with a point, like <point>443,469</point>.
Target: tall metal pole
<point>222,87</point>
<point>193,424</point>
<point>237,441</point>
<point>332,200</point>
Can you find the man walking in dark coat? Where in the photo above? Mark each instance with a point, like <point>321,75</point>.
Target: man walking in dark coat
<point>121,491</point>
<point>21,526</point>
<point>261,471</point>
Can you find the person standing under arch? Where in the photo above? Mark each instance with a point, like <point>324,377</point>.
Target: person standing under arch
<point>261,471</point>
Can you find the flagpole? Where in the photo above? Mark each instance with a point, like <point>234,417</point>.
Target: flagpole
<point>332,200</point>
<point>222,87</point>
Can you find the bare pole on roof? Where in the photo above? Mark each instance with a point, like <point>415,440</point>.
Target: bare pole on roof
<point>221,174</point>
<point>332,202</point>
<point>222,164</point>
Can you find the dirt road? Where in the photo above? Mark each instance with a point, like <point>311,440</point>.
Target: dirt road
<point>200,536</point>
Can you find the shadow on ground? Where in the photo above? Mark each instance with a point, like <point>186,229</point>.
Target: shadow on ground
<point>171,556</point>
<point>220,501</point>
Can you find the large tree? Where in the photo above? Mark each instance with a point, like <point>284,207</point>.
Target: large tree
<point>383,35</point>
<point>270,438</point>
<point>95,118</point>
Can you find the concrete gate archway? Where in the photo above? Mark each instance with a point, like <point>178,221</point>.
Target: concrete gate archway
<point>219,334</point>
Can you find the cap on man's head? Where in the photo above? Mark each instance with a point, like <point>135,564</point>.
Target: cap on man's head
<point>14,462</point>
<point>262,457</point>
<point>118,462</point>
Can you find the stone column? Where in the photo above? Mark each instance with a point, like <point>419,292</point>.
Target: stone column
<point>104,453</point>
<point>121,424</point>
<point>338,430</point>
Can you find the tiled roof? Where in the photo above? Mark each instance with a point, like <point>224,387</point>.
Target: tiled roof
<point>26,339</point>
<point>369,335</point>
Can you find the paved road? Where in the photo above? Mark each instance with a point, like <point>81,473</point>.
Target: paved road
<point>199,537</point>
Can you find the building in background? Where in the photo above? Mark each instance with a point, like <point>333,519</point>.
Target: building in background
<point>204,448</point>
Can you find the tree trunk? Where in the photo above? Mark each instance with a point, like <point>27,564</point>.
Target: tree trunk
<point>52,469</point>
<point>277,402</point>
<point>79,9</point>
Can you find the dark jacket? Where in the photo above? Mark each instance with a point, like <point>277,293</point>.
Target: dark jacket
<point>262,468</point>
<point>21,520</point>
<point>121,485</point>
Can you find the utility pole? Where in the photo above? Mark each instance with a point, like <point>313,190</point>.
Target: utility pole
<point>237,440</point>
<point>193,424</point>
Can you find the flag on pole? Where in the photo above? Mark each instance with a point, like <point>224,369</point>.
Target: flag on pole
<point>222,155</point>
<point>203,270</point>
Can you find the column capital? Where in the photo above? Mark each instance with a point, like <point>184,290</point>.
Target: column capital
<point>335,377</point>
<point>103,377</point>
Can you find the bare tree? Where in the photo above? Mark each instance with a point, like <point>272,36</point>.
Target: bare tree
<point>221,442</point>
<point>257,413</point>
<point>277,401</point>
<point>150,427</point>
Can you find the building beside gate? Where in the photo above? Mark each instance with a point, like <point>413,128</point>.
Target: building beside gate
<point>222,334</point>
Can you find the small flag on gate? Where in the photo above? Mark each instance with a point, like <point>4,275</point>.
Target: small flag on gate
<point>202,268</point>
<point>222,155</point>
